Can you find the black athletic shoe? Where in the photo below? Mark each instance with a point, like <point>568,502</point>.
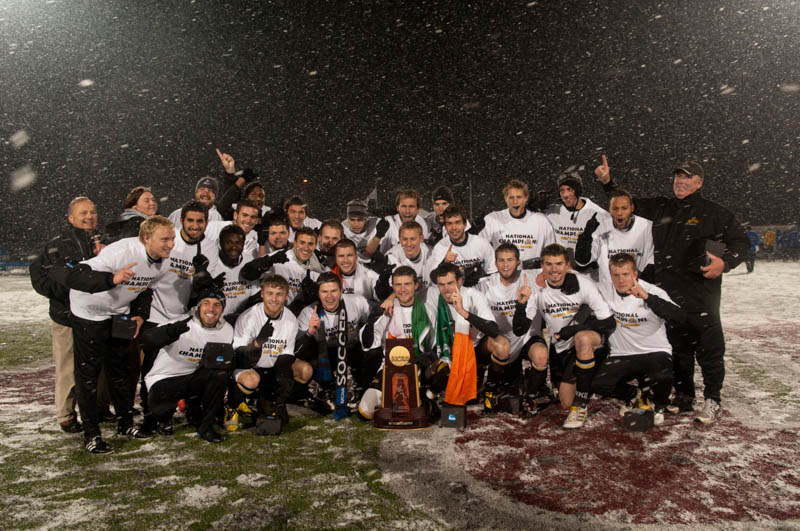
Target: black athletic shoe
<point>681,404</point>
<point>164,427</point>
<point>106,417</point>
<point>134,433</point>
<point>72,426</point>
<point>210,435</point>
<point>96,445</point>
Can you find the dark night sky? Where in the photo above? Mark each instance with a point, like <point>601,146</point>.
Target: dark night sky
<point>414,93</point>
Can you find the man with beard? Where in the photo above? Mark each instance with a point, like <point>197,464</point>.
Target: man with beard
<point>471,253</point>
<point>628,234</point>
<point>206,193</point>
<point>192,254</point>
<point>74,244</point>
<point>356,278</point>
<point>176,373</point>
<point>103,290</point>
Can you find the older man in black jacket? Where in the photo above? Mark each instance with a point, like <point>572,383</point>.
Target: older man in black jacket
<point>695,241</point>
<point>76,242</point>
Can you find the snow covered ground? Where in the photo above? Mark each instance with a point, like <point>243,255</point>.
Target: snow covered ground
<point>19,303</point>
<point>752,452</point>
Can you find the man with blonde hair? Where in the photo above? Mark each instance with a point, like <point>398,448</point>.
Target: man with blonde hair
<point>109,302</point>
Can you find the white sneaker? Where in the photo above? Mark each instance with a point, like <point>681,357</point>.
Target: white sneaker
<point>710,411</point>
<point>576,417</point>
<point>658,417</point>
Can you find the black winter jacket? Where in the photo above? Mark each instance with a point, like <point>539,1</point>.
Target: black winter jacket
<point>681,228</point>
<point>71,245</point>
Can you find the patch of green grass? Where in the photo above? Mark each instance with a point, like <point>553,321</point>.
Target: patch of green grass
<point>23,344</point>
<point>317,474</point>
<point>760,379</point>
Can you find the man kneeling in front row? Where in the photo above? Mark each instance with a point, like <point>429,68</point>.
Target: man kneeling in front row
<point>266,333</point>
<point>639,345</point>
<point>176,372</point>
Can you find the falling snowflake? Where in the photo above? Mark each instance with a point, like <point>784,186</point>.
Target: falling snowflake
<point>86,83</point>
<point>789,87</point>
<point>20,138</point>
<point>22,178</point>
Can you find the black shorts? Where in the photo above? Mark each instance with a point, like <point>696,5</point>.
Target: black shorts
<point>562,365</point>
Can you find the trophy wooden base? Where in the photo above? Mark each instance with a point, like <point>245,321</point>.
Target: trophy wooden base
<point>416,418</point>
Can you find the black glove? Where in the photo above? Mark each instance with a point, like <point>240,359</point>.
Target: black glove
<point>263,233</point>
<point>433,238</point>
<point>591,225</point>
<point>175,330</point>
<point>248,175</point>
<point>382,228</point>
<point>265,333</point>
<point>538,202</point>
<point>477,225</point>
<point>382,287</point>
<point>568,331</point>
<point>279,258</point>
<point>375,314</point>
<point>308,289</point>
<point>200,263</point>
<point>473,275</point>
<point>532,263</point>
<point>378,262</point>
<point>570,285</point>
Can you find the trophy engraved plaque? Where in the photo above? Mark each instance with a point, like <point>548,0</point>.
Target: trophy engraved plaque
<point>401,408</point>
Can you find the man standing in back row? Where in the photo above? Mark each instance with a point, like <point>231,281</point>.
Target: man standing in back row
<point>695,240</point>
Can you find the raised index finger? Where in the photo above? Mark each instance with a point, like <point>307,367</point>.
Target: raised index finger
<point>219,154</point>
<point>605,162</point>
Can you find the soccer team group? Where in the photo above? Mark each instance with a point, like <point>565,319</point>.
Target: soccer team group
<point>231,310</point>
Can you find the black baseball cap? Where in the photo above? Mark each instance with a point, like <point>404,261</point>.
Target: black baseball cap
<point>690,168</point>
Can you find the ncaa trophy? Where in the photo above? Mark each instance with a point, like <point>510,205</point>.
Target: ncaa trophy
<point>401,408</point>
